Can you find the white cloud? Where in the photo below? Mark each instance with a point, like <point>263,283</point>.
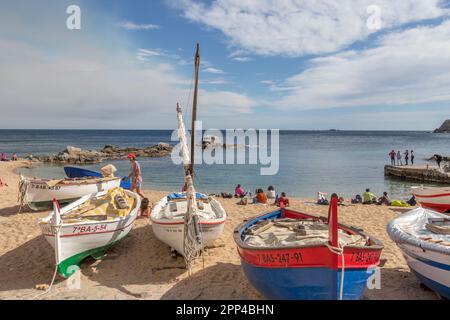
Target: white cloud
<point>128,25</point>
<point>213,70</point>
<point>406,67</point>
<point>301,27</point>
<point>242,59</point>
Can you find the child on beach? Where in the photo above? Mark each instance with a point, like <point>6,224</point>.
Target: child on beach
<point>282,201</point>
<point>144,210</point>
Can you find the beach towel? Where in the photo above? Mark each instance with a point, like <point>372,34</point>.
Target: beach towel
<point>399,203</point>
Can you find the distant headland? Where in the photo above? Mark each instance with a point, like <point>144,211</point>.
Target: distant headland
<point>444,128</point>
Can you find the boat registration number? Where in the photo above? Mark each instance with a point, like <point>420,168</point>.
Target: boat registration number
<point>89,229</point>
<point>280,258</point>
<point>364,257</point>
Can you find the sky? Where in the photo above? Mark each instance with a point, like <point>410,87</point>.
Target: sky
<point>275,64</point>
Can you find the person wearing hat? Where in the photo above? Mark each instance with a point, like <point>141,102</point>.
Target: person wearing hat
<point>135,175</point>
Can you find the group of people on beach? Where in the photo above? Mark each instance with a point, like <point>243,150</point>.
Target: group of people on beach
<point>260,196</point>
<point>4,157</point>
<point>370,198</point>
<point>398,156</point>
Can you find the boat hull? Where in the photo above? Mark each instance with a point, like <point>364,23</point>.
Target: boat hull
<point>75,172</point>
<point>307,283</point>
<point>171,231</point>
<point>431,268</point>
<point>81,240</point>
<point>39,195</point>
<point>437,199</point>
<point>307,272</point>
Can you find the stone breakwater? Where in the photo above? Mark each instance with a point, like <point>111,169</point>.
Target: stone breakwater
<point>422,173</point>
<point>73,155</point>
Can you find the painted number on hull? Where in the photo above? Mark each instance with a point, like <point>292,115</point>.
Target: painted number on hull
<point>90,229</point>
<point>280,258</point>
<point>364,257</point>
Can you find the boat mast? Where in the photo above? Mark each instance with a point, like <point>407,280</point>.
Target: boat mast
<point>194,108</point>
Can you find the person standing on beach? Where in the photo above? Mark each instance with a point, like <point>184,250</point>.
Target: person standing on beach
<point>399,158</point>
<point>135,175</point>
<point>412,157</point>
<point>392,155</point>
<point>406,157</point>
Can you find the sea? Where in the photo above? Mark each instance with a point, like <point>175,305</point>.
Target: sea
<point>344,162</point>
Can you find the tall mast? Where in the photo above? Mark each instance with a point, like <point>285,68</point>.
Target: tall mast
<point>194,108</point>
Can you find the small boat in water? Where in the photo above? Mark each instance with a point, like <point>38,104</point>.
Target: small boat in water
<point>435,198</point>
<point>295,256</point>
<point>423,236</point>
<point>38,193</point>
<point>89,226</point>
<point>76,172</point>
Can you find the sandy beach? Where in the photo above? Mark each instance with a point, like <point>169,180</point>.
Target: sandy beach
<point>140,267</point>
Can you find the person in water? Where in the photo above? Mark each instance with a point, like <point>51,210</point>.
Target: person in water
<point>239,192</point>
<point>369,197</point>
<point>412,157</point>
<point>271,193</point>
<point>282,201</point>
<point>135,175</point>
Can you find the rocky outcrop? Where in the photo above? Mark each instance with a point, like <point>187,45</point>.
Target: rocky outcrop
<point>73,155</point>
<point>444,128</point>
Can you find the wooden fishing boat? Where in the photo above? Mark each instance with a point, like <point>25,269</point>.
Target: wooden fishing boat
<point>187,222</point>
<point>89,226</point>
<point>435,198</point>
<point>75,172</point>
<point>291,255</point>
<point>423,236</point>
<point>168,219</point>
<point>38,193</point>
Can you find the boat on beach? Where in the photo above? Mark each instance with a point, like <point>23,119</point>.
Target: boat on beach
<point>423,236</point>
<point>188,221</point>
<point>435,198</point>
<point>89,226</point>
<point>290,255</point>
<point>76,172</point>
<point>39,193</point>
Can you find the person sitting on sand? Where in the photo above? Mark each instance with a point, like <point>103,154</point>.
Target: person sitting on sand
<point>322,199</point>
<point>271,193</point>
<point>226,195</point>
<point>3,157</point>
<point>260,197</point>
<point>358,199</point>
<point>282,201</point>
<point>14,157</point>
<point>239,192</point>
<point>144,210</point>
<point>369,197</point>
<point>384,199</point>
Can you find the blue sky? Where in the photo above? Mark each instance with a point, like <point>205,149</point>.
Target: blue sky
<point>265,64</point>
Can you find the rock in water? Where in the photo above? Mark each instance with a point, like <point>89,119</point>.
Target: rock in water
<point>444,128</point>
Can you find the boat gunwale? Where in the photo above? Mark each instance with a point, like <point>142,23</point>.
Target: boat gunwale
<point>241,228</point>
<point>72,181</point>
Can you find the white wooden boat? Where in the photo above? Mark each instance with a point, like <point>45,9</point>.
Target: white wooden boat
<point>89,226</point>
<point>434,198</point>
<point>39,193</point>
<point>424,238</point>
<point>168,219</point>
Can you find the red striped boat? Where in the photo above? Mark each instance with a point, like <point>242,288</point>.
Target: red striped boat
<point>435,198</point>
<point>315,271</point>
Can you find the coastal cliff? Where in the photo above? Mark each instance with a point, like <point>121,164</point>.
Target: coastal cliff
<point>444,128</point>
<point>73,155</point>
